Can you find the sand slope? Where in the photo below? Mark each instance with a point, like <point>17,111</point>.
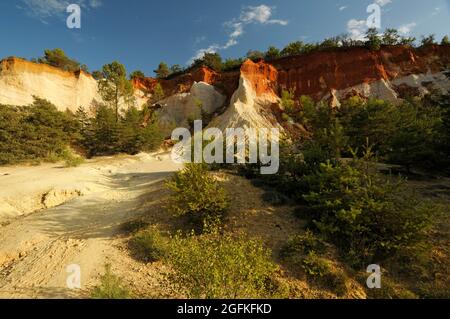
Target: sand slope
<point>90,202</point>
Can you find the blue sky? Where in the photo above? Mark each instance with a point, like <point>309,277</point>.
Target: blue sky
<point>141,33</point>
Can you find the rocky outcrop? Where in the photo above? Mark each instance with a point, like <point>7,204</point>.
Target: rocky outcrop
<point>252,104</point>
<point>20,80</point>
<point>334,75</point>
<point>181,109</point>
<point>251,92</point>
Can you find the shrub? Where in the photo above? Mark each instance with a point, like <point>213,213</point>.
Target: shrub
<point>197,195</point>
<point>58,58</point>
<point>300,245</point>
<point>35,132</point>
<point>315,266</point>
<point>111,287</point>
<point>215,267</point>
<point>71,159</point>
<point>362,212</point>
<point>321,270</point>
<point>150,245</point>
<point>133,226</point>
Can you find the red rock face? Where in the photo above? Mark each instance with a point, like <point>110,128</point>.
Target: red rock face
<point>227,82</point>
<point>263,76</point>
<point>318,73</point>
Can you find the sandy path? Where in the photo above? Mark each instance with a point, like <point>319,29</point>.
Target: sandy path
<point>36,248</point>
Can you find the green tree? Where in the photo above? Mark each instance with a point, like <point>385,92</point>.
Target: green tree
<point>390,37</point>
<point>163,71</point>
<point>115,88</point>
<point>137,75</point>
<point>293,48</point>
<point>409,41</point>
<point>428,40</point>
<point>231,64</point>
<point>211,60</point>
<point>415,139</point>
<point>198,196</point>
<point>176,68</point>
<point>98,75</point>
<point>373,39</point>
<point>272,53</point>
<point>255,55</point>
<point>58,58</point>
<point>445,40</point>
<point>34,132</point>
<point>330,43</point>
<point>288,101</point>
<point>157,94</point>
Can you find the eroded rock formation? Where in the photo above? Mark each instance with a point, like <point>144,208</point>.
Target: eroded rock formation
<point>249,96</point>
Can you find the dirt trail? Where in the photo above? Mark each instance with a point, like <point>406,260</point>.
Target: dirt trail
<point>36,247</point>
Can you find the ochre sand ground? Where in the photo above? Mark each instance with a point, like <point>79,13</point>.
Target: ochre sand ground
<point>90,202</point>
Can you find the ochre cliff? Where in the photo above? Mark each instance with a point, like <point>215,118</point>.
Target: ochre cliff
<point>320,74</point>
<point>20,80</point>
<point>391,73</point>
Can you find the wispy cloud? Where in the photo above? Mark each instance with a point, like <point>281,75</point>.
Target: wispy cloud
<point>46,9</point>
<point>261,15</point>
<point>342,8</point>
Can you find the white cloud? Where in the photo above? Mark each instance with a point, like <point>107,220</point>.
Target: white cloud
<point>406,28</point>
<point>382,3</point>
<point>236,28</point>
<point>45,9</point>
<point>342,8</point>
<point>260,14</point>
<point>357,29</point>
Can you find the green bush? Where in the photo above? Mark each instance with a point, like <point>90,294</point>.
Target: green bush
<point>216,267</point>
<point>133,226</point>
<point>410,134</point>
<point>104,135</point>
<point>38,132</point>
<point>150,245</point>
<point>71,159</point>
<point>321,270</point>
<point>364,213</point>
<point>111,287</point>
<point>58,58</point>
<point>301,245</point>
<point>198,196</point>
<point>315,266</point>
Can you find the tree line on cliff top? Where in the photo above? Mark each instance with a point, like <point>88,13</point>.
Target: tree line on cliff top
<point>372,40</point>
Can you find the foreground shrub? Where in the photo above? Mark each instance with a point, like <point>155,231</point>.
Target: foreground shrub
<point>150,245</point>
<point>321,270</point>
<point>215,267</point>
<point>111,287</point>
<point>302,244</point>
<point>198,196</point>
<point>364,213</point>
